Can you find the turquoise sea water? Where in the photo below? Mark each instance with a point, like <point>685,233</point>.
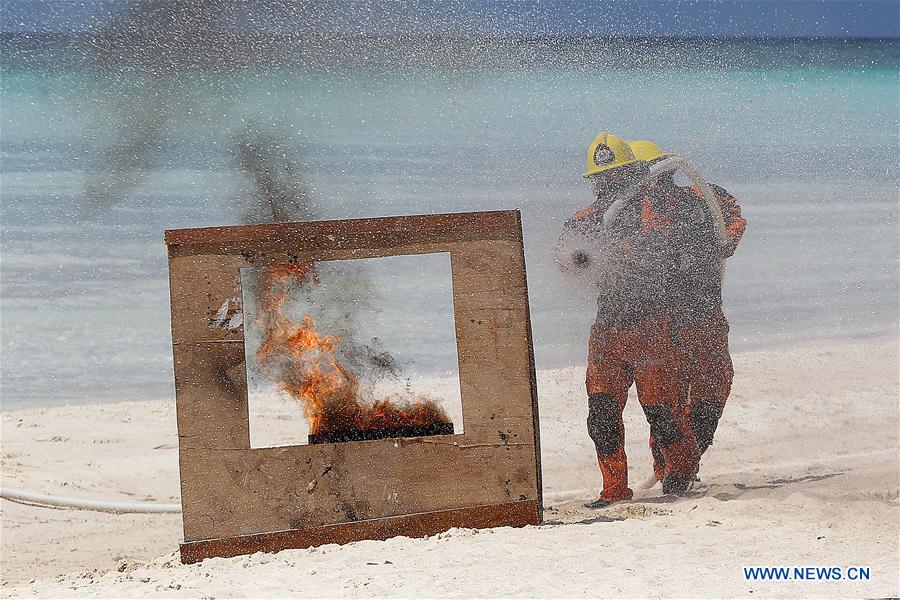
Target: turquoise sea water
<point>804,134</point>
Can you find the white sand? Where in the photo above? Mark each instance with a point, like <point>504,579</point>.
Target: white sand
<point>805,472</point>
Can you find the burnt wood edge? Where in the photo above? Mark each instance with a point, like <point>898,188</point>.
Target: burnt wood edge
<point>435,228</point>
<point>364,435</point>
<point>511,514</point>
<point>532,375</point>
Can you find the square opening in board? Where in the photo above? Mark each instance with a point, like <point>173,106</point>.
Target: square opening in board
<point>351,350</point>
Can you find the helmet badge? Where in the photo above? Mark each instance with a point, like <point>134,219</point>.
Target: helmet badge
<point>603,155</point>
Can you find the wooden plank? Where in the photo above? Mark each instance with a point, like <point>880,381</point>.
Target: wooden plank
<point>205,296</point>
<point>489,296</point>
<point>348,233</point>
<point>494,369</point>
<point>278,251</point>
<point>512,514</point>
<point>211,396</point>
<point>486,265</point>
<point>236,492</point>
<point>532,376</point>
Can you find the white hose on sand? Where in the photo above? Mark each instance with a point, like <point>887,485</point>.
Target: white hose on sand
<point>47,501</point>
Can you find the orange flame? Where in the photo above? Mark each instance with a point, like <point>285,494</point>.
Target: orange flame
<point>305,366</point>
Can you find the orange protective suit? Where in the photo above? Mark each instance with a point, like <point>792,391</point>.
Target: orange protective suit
<point>632,342</point>
<point>700,330</point>
<point>641,353</point>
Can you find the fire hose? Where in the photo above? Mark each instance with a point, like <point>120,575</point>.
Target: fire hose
<point>581,250</point>
<point>677,163</point>
<point>48,501</point>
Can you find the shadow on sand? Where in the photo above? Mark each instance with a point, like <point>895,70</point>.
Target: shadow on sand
<point>574,512</point>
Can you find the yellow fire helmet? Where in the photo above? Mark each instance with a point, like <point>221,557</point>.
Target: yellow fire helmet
<point>606,152</point>
<point>648,151</point>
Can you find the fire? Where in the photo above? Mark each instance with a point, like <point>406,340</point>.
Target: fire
<point>304,364</point>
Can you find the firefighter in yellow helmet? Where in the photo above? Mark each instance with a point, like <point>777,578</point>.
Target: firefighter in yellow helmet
<point>647,151</point>
<point>630,341</point>
<point>697,322</point>
<point>612,164</point>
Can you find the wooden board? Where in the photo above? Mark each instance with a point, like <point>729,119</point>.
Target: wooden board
<point>230,489</point>
<point>349,234</point>
<point>511,514</point>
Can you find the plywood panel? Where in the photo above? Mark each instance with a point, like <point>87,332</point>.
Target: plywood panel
<point>229,489</point>
<point>510,514</point>
<point>323,236</point>
<point>205,293</point>
<point>306,486</point>
<point>211,395</point>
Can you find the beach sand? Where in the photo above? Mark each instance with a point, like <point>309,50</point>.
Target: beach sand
<point>804,472</point>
